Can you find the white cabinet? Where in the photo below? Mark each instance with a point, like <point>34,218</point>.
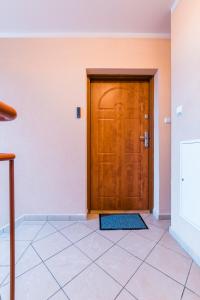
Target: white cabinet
<point>190,182</point>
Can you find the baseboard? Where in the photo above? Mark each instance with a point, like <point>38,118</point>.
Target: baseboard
<point>195,256</point>
<point>164,216</point>
<point>6,228</point>
<point>38,217</point>
<point>161,216</point>
<point>55,217</point>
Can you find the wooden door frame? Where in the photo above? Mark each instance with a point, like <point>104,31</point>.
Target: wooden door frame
<point>149,78</point>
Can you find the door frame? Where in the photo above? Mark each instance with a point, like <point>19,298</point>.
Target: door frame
<point>150,79</point>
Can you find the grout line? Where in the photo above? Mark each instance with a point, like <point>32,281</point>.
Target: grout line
<point>2,282</point>
<point>174,251</point>
<point>93,261</point>
<point>49,298</point>
<point>116,243</point>
<point>52,256</point>
<point>35,238</point>
<point>47,268</point>
<point>90,264</point>
<point>33,267</point>
<point>126,292</point>
<point>186,280</point>
<point>129,252</point>
<point>73,244</point>
<point>163,273</point>
<point>42,238</point>
<point>58,229</point>
<point>143,261</point>
<point>157,268</point>
<point>183,292</point>
<point>164,246</point>
<point>124,287</point>
<point>198,295</point>
<point>23,253</point>
<point>154,247</point>
<point>30,243</point>
<point>42,261</point>
<point>30,269</point>
<point>151,223</point>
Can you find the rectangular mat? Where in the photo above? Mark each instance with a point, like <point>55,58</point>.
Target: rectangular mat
<point>121,222</point>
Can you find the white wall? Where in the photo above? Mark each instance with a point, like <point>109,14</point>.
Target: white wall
<point>185,91</point>
<point>45,79</point>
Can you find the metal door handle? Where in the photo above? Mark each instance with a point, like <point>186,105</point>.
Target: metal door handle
<point>145,138</point>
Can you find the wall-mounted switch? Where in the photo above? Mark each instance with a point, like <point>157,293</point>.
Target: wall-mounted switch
<point>179,110</point>
<point>167,120</point>
<point>78,112</point>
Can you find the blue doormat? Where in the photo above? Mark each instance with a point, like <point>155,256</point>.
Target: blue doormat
<point>121,222</point>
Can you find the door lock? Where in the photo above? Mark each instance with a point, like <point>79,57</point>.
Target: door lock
<point>145,138</point>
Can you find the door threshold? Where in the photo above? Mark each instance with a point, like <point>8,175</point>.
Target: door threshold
<point>97,212</point>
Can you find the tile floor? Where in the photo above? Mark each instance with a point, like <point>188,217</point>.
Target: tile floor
<point>75,260</point>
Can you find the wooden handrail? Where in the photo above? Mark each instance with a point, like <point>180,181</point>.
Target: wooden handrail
<point>7,113</point>
<point>6,156</point>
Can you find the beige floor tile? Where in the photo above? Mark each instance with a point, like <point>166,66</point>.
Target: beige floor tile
<point>5,236</point>
<point>170,262</point>
<point>27,232</point>
<point>28,261</point>
<point>91,223</point>
<point>4,271</point>
<point>137,245</point>
<point>94,245</point>
<point>164,224</point>
<point>51,245</point>
<point>38,284</point>
<point>153,233</point>
<point>150,284</point>
<point>193,282</point>
<point>20,247</point>
<point>119,264</point>
<point>145,215</point>
<point>46,230</point>
<point>169,242</point>
<point>67,264</point>
<point>113,235</point>
<point>92,284</point>
<point>124,295</point>
<point>59,296</point>
<point>115,263</point>
<point>61,224</point>
<point>76,232</point>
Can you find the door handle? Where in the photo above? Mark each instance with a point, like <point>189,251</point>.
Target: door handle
<point>145,138</point>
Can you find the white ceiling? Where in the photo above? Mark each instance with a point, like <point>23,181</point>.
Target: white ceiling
<point>73,17</point>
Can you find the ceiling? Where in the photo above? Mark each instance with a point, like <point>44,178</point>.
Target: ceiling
<point>79,17</point>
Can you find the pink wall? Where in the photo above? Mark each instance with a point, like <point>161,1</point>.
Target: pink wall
<point>45,79</point>
<point>185,92</point>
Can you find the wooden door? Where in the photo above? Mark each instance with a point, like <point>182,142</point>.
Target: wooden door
<point>119,158</point>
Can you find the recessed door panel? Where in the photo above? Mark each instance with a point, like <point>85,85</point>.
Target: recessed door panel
<point>119,158</point>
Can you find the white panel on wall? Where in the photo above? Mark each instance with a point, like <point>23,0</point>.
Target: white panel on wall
<point>190,182</point>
